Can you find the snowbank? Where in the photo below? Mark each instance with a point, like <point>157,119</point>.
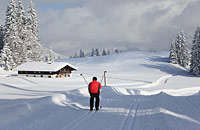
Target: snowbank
<point>143,91</point>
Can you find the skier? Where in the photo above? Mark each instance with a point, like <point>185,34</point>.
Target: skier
<point>94,89</point>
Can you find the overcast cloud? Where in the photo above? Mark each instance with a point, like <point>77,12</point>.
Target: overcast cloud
<point>69,25</point>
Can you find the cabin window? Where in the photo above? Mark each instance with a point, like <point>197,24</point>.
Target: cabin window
<point>49,76</point>
<point>41,75</point>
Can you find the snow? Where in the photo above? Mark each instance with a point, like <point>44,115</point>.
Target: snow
<point>57,55</point>
<point>43,66</point>
<point>143,92</point>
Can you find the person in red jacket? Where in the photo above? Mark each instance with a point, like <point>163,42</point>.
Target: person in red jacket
<point>94,89</point>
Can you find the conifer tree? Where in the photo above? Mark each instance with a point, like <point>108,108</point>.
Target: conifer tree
<point>82,54</point>
<point>108,52</point>
<point>75,55</point>
<point>182,50</point>
<point>10,33</point>
<point>97,52</point>
<point>184,58</point>
<point>51,56</point>
<point>20,49</point>
<point>34,47</point>
<point>93,52</point>
<point>173,54</point>
<point>104,52</point>
<point>1,36</point>
<point>117,51</point>
<point>21,19</point>
<point>195,54</point>
<point>6,58</point>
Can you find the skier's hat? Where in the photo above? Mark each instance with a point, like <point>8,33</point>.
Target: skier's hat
<point>94,78</point>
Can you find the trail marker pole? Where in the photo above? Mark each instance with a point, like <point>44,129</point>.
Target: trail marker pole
<point>105,78</point>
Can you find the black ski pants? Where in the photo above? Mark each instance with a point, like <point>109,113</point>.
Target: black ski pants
<point>96,96</point>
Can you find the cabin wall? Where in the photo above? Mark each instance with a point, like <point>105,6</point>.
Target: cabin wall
<point>37,76</point>
<point>45,76</point>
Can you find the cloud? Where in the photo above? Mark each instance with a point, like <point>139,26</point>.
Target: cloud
<point>131,24</point>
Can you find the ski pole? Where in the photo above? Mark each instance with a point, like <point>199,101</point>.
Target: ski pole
<point>104,77</point>
<point>84,79</point>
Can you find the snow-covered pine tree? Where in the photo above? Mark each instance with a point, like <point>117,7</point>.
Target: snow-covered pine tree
<point>19,49</point>
<point>97,52</point>
<point>21,19</point>
<point>104,52</point>
<point>182,50</point>
<point>108,52</point>
<point>50,56</point>
<point>82,54</point>
<point>6,58</point>
<point>195,54</point>
<point>10,33</point>
<point>184,58</point>
<point>117,51</point>
<point>173,54</point>
<point>93,52</point>
<point>1,36</point>
<point>34,47</point>
<point>75,55</point>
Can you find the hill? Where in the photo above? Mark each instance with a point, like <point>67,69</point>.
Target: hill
<point>143,91</point>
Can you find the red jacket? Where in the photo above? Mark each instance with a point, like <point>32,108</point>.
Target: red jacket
<point>94,87</point>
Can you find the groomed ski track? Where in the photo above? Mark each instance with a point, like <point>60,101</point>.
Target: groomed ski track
<point>143,92</point>
<point>70,111</point>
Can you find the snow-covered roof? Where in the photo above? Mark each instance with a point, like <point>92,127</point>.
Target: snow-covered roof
<point>43,66</point>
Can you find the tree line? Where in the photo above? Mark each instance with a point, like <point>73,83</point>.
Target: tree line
<point>19,37</point>
<point>94,52</point>
<point>179,52</point>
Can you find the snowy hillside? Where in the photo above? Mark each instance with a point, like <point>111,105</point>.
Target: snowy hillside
<point>143,92</point>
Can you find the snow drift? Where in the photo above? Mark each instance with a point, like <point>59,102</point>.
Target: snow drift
<point>143,92</point>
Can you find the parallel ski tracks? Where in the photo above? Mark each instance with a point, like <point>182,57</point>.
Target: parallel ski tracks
<point>72,125</point>
<point>129,121</point>
<point>195,104</point>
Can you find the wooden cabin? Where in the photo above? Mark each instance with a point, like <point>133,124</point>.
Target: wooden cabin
<point>46,70</point>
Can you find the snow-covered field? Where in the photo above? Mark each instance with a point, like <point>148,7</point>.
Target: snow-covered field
<point>143,92</point>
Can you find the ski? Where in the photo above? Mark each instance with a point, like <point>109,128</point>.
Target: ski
<point>99,108</point>
<point>96,110</point>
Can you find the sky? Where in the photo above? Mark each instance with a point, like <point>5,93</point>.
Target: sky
<point>147,25</point>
